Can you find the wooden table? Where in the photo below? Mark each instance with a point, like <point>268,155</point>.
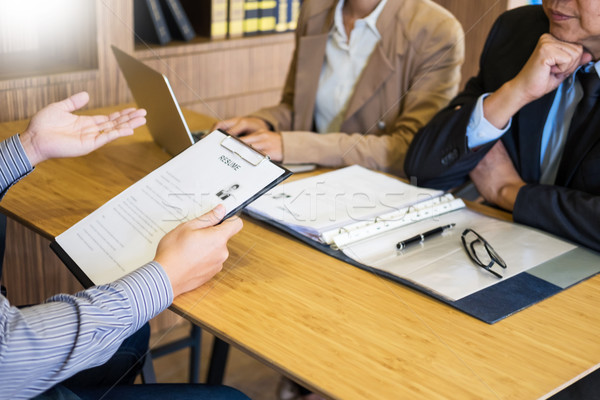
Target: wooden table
<point>337,329</point>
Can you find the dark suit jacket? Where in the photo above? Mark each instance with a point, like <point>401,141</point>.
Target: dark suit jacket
<point>439,156</point>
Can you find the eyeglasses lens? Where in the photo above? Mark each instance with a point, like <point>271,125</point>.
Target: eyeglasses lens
<point>479,251</point>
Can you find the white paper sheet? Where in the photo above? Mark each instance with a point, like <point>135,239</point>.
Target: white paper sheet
<point>123,234</point>
<point>334,199</point>
<point>440,263</point>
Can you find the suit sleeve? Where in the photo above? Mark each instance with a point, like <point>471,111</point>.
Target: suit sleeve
<point>434,80</point>
<point>439,156</point>
<point>568,213</point>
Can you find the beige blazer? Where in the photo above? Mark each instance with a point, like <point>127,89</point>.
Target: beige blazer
<point>413,72</point>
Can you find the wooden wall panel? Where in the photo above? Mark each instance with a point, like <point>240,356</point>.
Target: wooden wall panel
<point>206,78</point>
<point>235,105</point>
<point>219,74</point>
<point>203,70</point>
<point>115,27</point>
<point>24,102</point>
<point>476,17</point>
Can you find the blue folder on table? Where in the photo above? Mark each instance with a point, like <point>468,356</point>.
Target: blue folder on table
<point>359,216</point>
<point>496,302</point>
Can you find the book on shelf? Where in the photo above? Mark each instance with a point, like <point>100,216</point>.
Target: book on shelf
<point>236,18</point>
<point>281,22</point>
<point>251,17</point>
<point>287,13</point>
<point>150,25</point>
<point>267,16</point>
<point>123,233</point>
<point>177,20</point>
<point>364,217</point>
<point>209,17</point>
<point>293,11</point>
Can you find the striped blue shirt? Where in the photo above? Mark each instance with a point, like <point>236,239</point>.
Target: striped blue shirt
<point>45,344</point>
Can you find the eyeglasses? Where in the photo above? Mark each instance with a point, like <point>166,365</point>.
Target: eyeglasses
<point>480,252</point>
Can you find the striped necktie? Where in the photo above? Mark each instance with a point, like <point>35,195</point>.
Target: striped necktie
<point>590,83</point>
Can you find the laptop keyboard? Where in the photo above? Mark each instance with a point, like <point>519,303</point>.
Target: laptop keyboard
<point>197,135</point>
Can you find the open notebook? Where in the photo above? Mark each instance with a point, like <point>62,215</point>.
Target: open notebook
<point>346,199</point>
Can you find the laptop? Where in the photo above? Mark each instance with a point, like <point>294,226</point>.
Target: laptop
<point>152,91</point>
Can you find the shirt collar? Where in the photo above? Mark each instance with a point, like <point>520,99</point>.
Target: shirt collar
<point>588,67</point>
<point>370,20</point>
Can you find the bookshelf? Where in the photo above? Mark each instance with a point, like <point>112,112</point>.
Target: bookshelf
<point>476,18</point>
<point>229,76</point>
<point>251,67</point>
<point>195,68</point>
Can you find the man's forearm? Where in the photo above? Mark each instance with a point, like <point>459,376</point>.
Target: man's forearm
<point>500,106</point>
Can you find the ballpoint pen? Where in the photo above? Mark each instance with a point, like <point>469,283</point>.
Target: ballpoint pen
<point>421,237</point>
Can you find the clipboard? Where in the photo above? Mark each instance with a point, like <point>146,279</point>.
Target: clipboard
<point>255,158</point>
<point>123,233</point>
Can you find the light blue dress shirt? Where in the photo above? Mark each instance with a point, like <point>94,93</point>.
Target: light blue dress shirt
<point>345,59</point>
<point>480,131</point>
<point>43,345</point>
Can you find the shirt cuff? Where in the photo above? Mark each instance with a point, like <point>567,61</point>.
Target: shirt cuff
<point>149,291</point>
<point>14,164</point>
<point>480,131</point>
<point>24,162</point>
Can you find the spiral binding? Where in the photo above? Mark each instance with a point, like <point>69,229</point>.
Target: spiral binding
<point>352,233</point>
